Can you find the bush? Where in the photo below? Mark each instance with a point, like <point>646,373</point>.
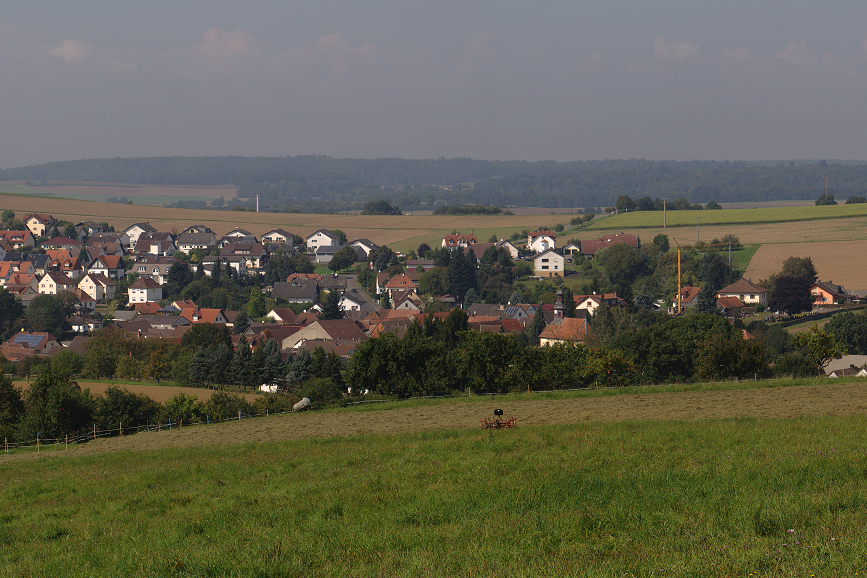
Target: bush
<point>793,365</point>
<point>321,391</point>
<point>224,405</point>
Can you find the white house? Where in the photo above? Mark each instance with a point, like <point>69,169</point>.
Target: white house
<point>540,241</point>
<point>134,231</point>
<point>321,238</point>
<point>55,282</point>
<point>98,286</point>
<point>549,263</point>
<point>145,290</point>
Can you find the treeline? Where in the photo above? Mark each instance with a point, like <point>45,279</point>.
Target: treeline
<point>722,184</point>
<point>469,210</point>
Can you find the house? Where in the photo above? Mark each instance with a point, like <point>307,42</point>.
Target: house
<point>23,280</point>
<point>731,306</point>
<point>331,330</point>
<point>196,315</point>
<point>591,303</point>
<point>508,246</point>
<point>745,290</point>
<point>55,282</point>
<point>239,264</point>
<point>416,264</point>
<point>278,236</point>
<point>590,247</point>
<point>541,241</point>
<point>400,282</point>
<point>197,229</point>
<point>134,231</point>
<point>38,223</point>
<point>462,241</point>
<point>688,298</point>
<point>407,299</point>
<point>41,263</point>
<point>33,343</point>
<point>90,227</point>
<point>565,330</point>
<point>255,254</point>
<point>84,323</point>
<point>154,267</point>
<point>188,242</point>
<point>296,291</point>
<point>111,266</point>
<point>321,238</point>
<point>239,233</point>
<point>156,243</point>
<point>98,286</point>
<point>71,245</point>
<point>571,249</point>
<point>549,263</point>
<point>325,253</point>
<point>848,372</point>
<point>18,239</point>
<point>830,294</point>
<point>145,290</point>
<point>85,301</point>
<point>113,239</point>
<point>365,245</point>
<point>282,315</point>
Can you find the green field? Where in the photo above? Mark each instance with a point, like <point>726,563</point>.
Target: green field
<point>653,219</point>
<point>737,497</point>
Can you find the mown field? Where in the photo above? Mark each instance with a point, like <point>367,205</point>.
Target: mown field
<point>760,482</point>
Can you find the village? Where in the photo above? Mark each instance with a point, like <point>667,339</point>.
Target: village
<point>122,281</point>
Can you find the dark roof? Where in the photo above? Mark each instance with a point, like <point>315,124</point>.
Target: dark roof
<point>742,286</point>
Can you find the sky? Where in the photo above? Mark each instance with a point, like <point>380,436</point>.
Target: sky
<point>483,79</point>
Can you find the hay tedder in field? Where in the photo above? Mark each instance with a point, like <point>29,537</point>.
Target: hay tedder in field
<point>498,421</point>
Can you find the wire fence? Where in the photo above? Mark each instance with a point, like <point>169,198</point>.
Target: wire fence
<point>40,444</point>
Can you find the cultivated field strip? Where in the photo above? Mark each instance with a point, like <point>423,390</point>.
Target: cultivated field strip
<point>843,262</point>
<point>824,399</point>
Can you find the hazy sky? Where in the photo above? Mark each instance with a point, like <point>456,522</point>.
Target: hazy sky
<point>482,79</point>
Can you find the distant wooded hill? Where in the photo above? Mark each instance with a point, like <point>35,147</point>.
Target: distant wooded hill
<point>316,182</point>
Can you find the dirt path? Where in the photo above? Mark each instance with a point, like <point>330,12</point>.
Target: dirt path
<point>827,398</point>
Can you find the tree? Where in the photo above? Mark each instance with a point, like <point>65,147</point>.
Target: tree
<point>256,304</point>
<point>826,199</point>
<point>624,203</point>
<point>644,299</point>
<point>855,199</point>
<point>380,207</point>
<point>343,259</point>
<point>434,281</point>
<point>819,347</point>
<point>661,241</point>
<point>330,309</point>
<point>712,206</point>
<point>341,236</point>
<point>791,294</point>
<point>8,215</point>
<point>11,407</point>
<point>423,250</point>
<point>730,356</point>
<point>46,313</point>
<point>471,296</point>
<point>11,310</point>
<point>301,263</point>
<point>800,267</point>
<point>55,406</point>
<point>537,326</point>
<point>850,330</point>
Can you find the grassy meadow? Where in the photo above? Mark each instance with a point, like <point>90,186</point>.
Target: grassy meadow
<point>654,219</point>
<point>715,497</point>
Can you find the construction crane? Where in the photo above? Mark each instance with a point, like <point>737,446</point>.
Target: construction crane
<point>679,248</point>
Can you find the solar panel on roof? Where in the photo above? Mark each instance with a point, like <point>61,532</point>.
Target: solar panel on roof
<point>31,341</point>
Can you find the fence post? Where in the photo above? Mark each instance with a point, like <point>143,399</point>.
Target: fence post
<point>37,442</point>
<point>94,431</point>
<point>181,423</point>
<point>67,441</point>
<point>6,444</point>
<point>239,415</point>
<point>121,428</point>
<point>209,419</point>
